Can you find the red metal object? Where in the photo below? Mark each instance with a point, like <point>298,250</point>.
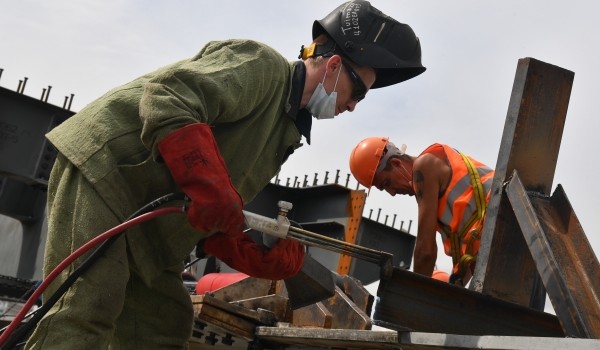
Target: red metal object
<point>213,281</point>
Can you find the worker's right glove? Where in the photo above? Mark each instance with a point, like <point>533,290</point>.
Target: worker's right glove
<point>192,156</point>
<point>284,259</point>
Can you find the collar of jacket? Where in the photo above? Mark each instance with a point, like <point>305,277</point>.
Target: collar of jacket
<point>301,117</point>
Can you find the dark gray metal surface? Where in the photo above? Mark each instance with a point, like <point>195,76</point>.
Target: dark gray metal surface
<point>322,203</point>
<point>327,258</point>
<point>326,339</point>
<point>431,341</point>
<point>312,284</point>
<point>375,235</point>
<point>530,144</point>
<point>306,338</point>
<point>24,151</point>
<point>563,256</point>
<point>26,158</point>
<point>415,302</point>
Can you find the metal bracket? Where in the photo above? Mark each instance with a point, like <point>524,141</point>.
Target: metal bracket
<point>563,256</point>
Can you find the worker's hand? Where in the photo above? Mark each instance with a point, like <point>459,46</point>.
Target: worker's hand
<point>284,259</point>
<point>192,156</point>
<point>456,280</point>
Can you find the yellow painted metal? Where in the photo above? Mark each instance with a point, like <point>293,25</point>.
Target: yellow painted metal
<point>356,205</point>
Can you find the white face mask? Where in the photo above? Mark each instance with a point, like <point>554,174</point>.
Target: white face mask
<point>321,105</point>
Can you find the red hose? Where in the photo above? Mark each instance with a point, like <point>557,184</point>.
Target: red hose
<point>76,254</point>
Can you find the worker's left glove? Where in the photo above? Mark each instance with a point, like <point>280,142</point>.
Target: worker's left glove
<point>284,259</point>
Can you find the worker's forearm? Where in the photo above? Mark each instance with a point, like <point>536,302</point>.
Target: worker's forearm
<point>424,263</point>
<point>425,251</point>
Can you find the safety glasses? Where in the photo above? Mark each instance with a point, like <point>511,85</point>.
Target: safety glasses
<point>359,89</point>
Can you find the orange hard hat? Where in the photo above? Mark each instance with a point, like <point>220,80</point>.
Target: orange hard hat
<point>365,158</point>
<point>440,276</point>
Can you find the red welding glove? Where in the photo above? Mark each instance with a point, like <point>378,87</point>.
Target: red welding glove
<point>284,259</point>
<point>192,156</point>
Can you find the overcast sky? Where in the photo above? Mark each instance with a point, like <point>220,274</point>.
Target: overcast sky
<point>470,49</point>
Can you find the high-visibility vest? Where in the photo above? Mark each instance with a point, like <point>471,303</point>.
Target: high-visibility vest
<point>461,208</point>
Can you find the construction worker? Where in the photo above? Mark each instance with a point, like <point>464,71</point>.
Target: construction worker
<point>217,126</point>
<point>451,189</point>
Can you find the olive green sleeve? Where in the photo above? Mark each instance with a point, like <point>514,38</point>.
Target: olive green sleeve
<point>221,84</point>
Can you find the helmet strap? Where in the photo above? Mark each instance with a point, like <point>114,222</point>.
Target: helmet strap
<point>315,50</point>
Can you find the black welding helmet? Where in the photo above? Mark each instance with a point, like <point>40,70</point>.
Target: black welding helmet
<point>370,38</point>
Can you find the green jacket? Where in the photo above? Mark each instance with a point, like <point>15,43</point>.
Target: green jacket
<point>239,87</point>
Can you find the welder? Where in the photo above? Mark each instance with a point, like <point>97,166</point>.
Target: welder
<point>217,126</point>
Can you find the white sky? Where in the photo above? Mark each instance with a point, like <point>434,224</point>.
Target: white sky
<point>470,49</point>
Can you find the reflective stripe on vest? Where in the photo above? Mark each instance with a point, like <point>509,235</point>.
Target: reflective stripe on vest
<point>459,189</point>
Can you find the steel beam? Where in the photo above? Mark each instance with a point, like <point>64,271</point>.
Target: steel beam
<point>410,301</point>
<point>326,339</point>
<point>312,284</point>
<point>563,256</point>
<point>433,341</point>
<point>530,144</point>
<point>375,235</point>
<point>314,338</point>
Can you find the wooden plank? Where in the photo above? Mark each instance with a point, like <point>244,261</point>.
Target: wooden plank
<point>208,336</point>
<point>261,316</point>
<point>276,304</point>
<point>231,323</point>
<point>530,144</point>
<point>563,256</point>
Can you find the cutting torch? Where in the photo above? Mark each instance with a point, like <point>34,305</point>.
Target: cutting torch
<point>281,227</point>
